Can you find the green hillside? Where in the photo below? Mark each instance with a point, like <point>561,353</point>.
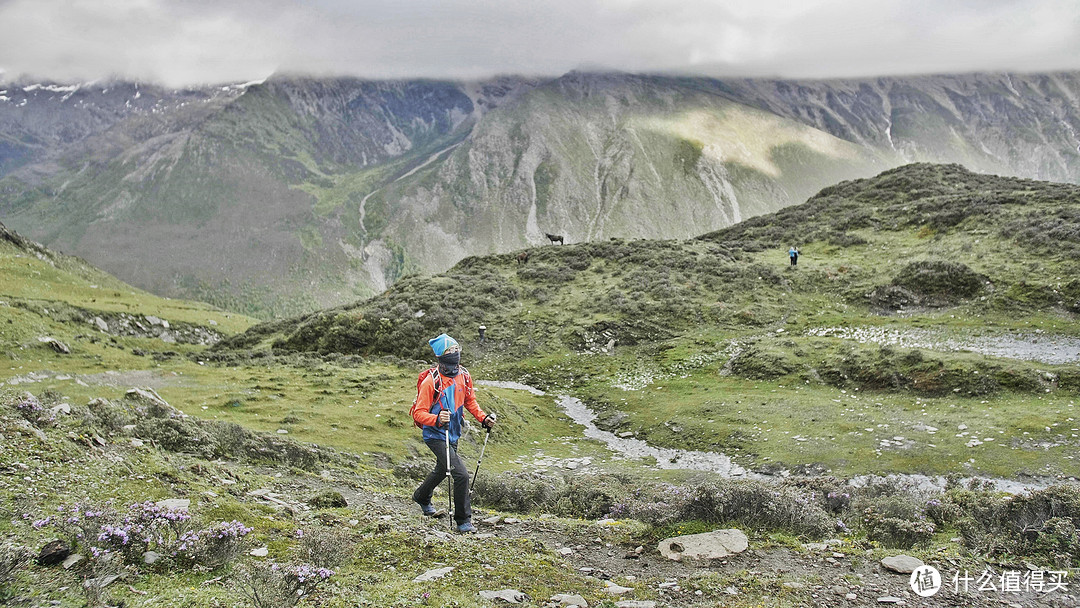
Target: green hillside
<point>739,348</point>
<point>925,331</point>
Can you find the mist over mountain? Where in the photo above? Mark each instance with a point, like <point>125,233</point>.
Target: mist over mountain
<point>296,193</point>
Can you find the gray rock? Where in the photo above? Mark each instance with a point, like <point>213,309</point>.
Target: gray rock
<point>72,561</point>
<point>565,599</point>
<point>903,564</point>
<point>613,589</point>
<point>704,547</point>
<point>510,596</point>
<point>432,575</point>
<point>635,604</point>
<point>889,599</point>
<point>174,504</point>
<point>260,552</point>
<point>851,596</point>
<point>151,557</point>
<point>63,408</point>
<point>795,585</point>
<point>153,320</point>
<point>56,345</point>
<point>101,324</point>
<point>101,582</point>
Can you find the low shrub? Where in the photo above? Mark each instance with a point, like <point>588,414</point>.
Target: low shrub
<point>325,547</point>
<point>328,499</point>
<point>896,521</point>
<point>275,586</point>
<point>98,530</point>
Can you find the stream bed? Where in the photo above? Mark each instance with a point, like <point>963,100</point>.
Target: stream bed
<point>721,464</point>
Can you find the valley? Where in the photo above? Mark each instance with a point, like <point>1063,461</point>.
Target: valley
<point>913,339</point>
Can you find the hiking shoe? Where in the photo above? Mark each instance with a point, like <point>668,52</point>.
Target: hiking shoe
<point>428,510</point>
<point>466,528</point>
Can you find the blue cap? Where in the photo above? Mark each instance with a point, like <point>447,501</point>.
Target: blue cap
<point>443,344</point>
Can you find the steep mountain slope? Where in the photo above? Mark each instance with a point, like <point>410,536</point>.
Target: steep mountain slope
<point>299,192</point>
<point>1024,125</point>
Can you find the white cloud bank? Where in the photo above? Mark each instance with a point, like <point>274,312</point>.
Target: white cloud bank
<point>197,41</point>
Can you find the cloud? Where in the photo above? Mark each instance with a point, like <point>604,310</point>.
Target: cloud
<point>195,41</point>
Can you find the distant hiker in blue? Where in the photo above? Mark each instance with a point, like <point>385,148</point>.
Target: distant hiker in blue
<point>442,396</point>
<point>793,253</point>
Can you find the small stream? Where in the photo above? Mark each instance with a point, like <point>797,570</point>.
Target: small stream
<point>666,458</point>
<point>721,464</point>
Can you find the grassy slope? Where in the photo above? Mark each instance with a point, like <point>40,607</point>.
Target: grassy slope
<point>674,307</point>
<point>679,310</point>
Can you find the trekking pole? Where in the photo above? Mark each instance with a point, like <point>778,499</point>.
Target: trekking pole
<point>481,459</point>
<point>449,482</point>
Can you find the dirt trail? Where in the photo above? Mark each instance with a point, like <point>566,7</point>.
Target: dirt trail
<point>819,576</point>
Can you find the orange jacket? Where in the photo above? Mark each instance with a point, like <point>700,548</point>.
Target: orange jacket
<point>454,393</point>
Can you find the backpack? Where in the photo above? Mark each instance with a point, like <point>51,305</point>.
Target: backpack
<point>436,379</point>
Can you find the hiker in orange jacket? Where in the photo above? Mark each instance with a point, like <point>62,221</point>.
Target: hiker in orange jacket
<point>441,401</point>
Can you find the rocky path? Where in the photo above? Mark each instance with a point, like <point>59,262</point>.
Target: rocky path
<point>834,573</point>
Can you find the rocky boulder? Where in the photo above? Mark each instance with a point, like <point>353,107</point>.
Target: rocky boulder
<point>704,547</point>
<point>902,564</point>
<point>53,553</point>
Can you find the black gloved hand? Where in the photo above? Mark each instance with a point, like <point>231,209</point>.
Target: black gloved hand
<point>489,421</point>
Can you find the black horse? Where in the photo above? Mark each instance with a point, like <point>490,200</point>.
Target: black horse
<point>555,238</point>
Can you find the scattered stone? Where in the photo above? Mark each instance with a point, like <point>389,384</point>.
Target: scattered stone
<point>510,596</point>
<point>260,552</point>
<point>491,521</point>
<point>511,520</point>
<point>795,585</point>
<point>902,564</point>
<point>432,575</point>
<point>72,560</point>
<point>56,345</point>
<point>150,397</point>
<point>565,599</point>
<point>566,551</point>
<point>282,432</point>
<point>63,408</point>
<point>174,504</point>
<point>890,599</point>
<point>613,589</point>
<point>153,320</point>
<point>53,553</point>
<point>101,324</point>
<point>635,604</point>
<point>101,582</point>
<point>151,557</point>
<point>704,547</point>
<point>815,546</point>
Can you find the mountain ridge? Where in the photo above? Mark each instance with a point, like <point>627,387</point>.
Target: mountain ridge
<point>299,192</point>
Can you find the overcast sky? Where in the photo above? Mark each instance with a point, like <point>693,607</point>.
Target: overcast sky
<point>201,41</point>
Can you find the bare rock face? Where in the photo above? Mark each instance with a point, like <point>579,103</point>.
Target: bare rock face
<point>704,547</point>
